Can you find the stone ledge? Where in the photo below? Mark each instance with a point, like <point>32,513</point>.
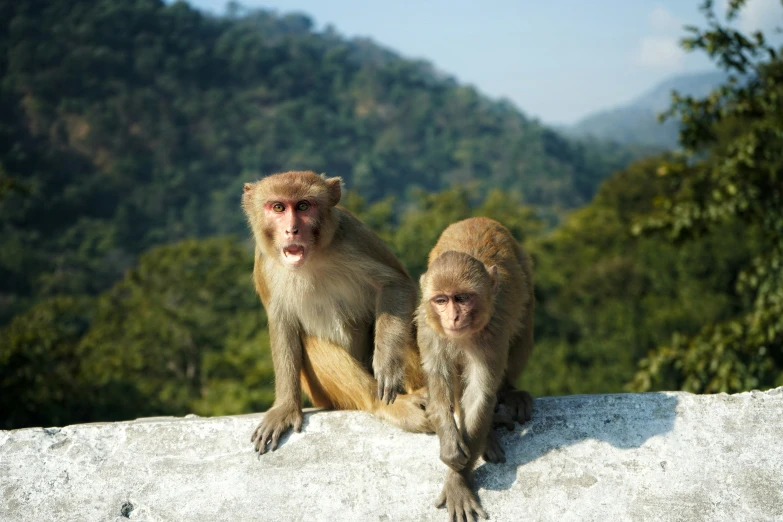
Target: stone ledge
<point>652,456</point>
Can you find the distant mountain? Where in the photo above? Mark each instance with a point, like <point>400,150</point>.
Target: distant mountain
<point>637,123</point>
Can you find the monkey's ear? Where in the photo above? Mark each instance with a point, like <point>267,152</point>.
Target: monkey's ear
<point>335,190</point>
<point>423,281</point>
<point>493,275</point>
<point>247,187</point>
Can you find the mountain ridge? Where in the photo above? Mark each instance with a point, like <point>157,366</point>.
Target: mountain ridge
<point>636,122</point>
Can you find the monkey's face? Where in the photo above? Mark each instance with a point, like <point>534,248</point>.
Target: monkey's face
<point>291,214</point>
<point>293,227</point>
<point>459,313</point>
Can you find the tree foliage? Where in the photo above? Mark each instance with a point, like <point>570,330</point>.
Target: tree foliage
<point>128,128</point>
<point>606,297</point>
<point>731,172</point>
<point>40,379</point>
<point>182,332</point>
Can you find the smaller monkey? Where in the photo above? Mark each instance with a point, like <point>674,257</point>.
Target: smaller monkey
<point>475,333</point>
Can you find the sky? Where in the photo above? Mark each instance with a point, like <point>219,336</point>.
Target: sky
<point>556,60</point>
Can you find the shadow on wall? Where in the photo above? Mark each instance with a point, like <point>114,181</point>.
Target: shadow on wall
<point>622,420</point>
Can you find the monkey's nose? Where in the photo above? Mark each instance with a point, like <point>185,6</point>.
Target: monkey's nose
<point>293,231</point>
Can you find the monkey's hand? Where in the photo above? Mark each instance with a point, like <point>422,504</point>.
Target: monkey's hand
<point>275,423</point>
<point>453,451</point>
<point>389,372</point>
<point>493,451</point>
<point>519,404</point>
<point>459,499</point>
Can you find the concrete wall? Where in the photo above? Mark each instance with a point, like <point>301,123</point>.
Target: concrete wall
<point>655,456</point>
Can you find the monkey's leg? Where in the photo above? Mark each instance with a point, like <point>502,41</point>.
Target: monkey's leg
<point>518,403</point>
<point>310,383</point>
<point>407,412</point>
<point>519,350</point>
<point>501,417</point>
<point>333,378</point>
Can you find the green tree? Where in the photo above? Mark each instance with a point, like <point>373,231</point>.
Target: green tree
<point>605,297</point>
<point>182,332</point>
<point>730,172</point>
<point>178,326</point>
<point>413,228</point>
<point>40,375</point>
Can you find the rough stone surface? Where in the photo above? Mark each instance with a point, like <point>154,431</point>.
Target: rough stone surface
<point>654,456</point>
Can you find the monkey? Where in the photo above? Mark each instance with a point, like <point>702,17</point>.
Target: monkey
<point>475,333</point>
<point>339,306</point>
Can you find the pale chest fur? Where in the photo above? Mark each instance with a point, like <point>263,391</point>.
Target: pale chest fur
<point>330,304</point>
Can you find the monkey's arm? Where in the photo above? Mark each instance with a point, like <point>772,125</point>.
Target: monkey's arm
<point>453,450</point>
<point>286,412</point>
<point>394,307</point>
<point>478,403</point>
<point>478,407</point>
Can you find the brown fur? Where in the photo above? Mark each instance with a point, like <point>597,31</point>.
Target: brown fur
<point>467,375</point>
<point>340,325</point>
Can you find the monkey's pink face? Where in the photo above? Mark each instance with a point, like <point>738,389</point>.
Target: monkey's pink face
<point>457,312</point>
<point>294,225</point>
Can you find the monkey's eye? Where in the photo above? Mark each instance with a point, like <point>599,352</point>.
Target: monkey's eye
<point>302,206</point>
<point>462,298</point>
<point>278,207</point>
<point>441,300</point>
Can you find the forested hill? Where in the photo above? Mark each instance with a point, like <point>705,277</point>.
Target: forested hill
<point>131,123</point>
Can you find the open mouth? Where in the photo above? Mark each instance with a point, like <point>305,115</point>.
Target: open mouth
<point>294,255</point>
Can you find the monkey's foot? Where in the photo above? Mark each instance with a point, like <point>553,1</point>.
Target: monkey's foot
<point>502,418</point>
<point>275,423</point>
<point>408,412</point>
<point>493,451</point>
<point>458,498</point>
<point>518,403</point>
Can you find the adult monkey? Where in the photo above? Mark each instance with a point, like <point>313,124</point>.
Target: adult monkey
<point>328,284</point>
<point>475,332</point>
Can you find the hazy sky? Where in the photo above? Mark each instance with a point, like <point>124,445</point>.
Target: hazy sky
<point>557,60</point>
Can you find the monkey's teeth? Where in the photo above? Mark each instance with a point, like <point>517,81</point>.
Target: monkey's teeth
<point>294,253</point>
